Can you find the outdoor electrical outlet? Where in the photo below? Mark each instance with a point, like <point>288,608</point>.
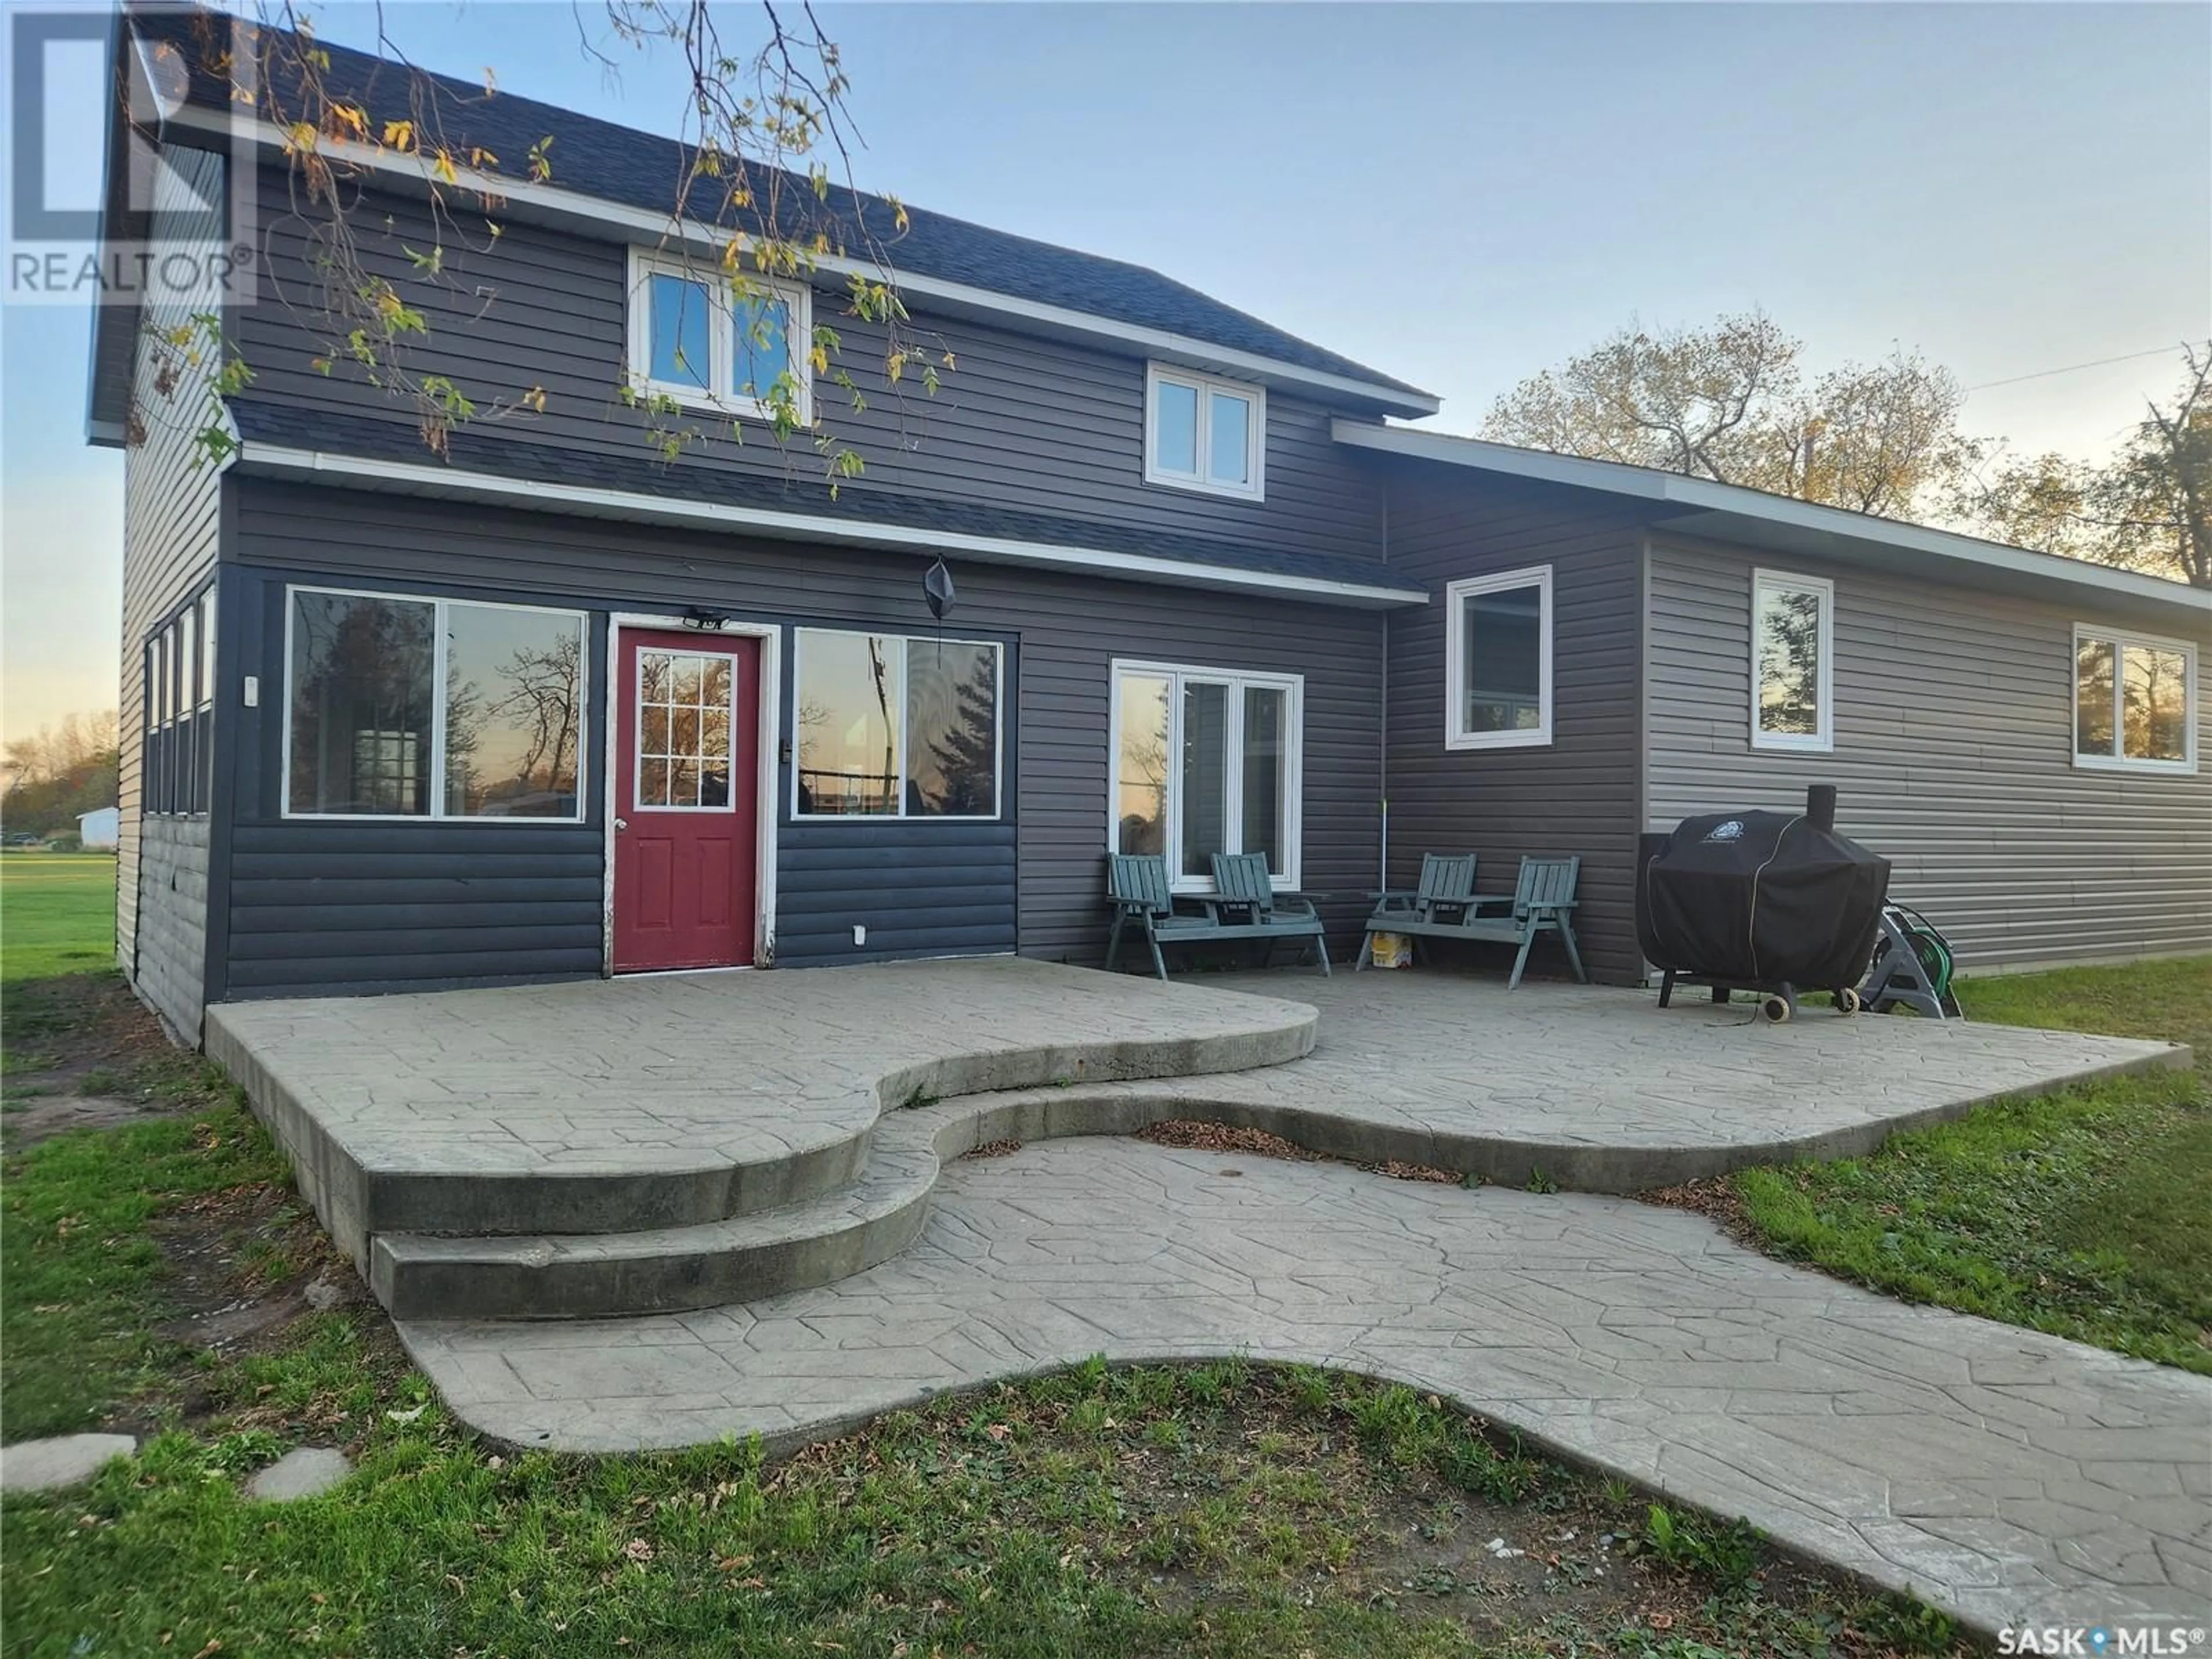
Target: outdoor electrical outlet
<point>860,933</point>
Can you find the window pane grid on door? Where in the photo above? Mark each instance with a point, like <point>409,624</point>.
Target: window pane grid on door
<point>686,705</point>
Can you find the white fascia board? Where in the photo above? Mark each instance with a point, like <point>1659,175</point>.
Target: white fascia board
<point>1747,508</point>
<point>551,204</point>
<point>410,478</point>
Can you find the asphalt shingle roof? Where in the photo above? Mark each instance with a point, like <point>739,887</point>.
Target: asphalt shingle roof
<point>629,469</point>
<point>644,170</point>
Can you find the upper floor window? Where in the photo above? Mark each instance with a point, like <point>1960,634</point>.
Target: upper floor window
<point>896,727</point>
<point>1206,762</point>
<point>2135,701</point>
<point>1792,678</point>
<point>1205,434</point>
<point>707,339</point>
<point>431,709</point>
<point>1498,660</point>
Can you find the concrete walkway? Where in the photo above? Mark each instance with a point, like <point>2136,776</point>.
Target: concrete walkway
<point>2005,1476</point>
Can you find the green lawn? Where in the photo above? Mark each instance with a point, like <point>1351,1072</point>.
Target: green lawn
<point>56,914</point>
<point>2083,1213</point>
<point>1214,1509</point>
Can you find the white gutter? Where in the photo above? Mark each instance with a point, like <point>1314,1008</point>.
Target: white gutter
<point>549,203</point>
<point>1735,502</point>
<point>410,477</point>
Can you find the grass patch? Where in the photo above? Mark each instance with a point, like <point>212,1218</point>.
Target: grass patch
<point>2081,1213</point>
<point>1216,1510</point>
<point>59,914</point>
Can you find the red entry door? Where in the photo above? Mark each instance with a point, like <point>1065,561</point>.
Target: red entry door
<point>687,770</point>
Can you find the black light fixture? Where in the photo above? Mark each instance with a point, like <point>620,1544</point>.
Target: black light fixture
<point>937,588</point>
<point>707,620</point>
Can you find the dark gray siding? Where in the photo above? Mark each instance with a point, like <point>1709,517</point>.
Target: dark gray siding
<point>920,889</point>
<point>1024,422</point>
<point>1954,758</point>
<point>171,937</point>
<point>1576,795</point>
<point>171,528</point>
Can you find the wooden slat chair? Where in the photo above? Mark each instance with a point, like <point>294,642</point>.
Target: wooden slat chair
<point>1137,886</point>
<point>1439,908</point>
<point>1543,901</point>
<point>1245,905</point>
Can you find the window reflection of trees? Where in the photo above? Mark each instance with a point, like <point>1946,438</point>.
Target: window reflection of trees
<point>933,705</point>
<point>1142,785</point>
<point>365,735</point>
<point>360,704</point>
<point>1789,661</point>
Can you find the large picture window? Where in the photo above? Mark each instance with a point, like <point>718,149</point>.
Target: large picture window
<point>432,708</point>
<point>1206,762</point>
<point>1792,649</point>
<point>2135,701</point>
<point>711,339</point>
<point>891,727</point>
<point>1498,660</point>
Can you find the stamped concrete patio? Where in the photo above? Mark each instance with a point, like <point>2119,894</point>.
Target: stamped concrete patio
<point>735,1173</point>
<point>645,1146</point>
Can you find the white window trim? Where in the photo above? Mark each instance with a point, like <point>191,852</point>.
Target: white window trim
<point>1181,674</point>
<point>435,762</point>
<point>998,733</point>
<point>1255,433</point>
<point>2119,639</point>
<point>721,323</point>
<point>1456,734</point>
<point>1822,741</point>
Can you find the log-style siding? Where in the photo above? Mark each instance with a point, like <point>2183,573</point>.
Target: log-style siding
<point>312,905</point>
<point>1954,758</point>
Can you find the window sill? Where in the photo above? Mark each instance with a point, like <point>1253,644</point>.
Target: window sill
<point>1205,486</point>
<point>736,409</point>
<point>1466,742</point>
<point>2157,769</point>
<point>1771,745</point>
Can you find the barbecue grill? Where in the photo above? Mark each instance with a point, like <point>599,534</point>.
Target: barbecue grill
<point>1770,903</point>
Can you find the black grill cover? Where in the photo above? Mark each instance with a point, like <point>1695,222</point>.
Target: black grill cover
<point>1755,898</point>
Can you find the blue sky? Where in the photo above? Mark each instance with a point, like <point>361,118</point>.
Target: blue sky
<point>1458,195</point>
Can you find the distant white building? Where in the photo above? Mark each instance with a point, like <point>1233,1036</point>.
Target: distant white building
<point>99,828</point>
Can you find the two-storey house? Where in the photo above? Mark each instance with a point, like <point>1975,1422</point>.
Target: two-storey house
<point>552,704</point>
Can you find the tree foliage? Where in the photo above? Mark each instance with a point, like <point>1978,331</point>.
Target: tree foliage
<point>2149,508</point>
<point>764,192</point>
<point>62,772</point>
<point>1729,402</point>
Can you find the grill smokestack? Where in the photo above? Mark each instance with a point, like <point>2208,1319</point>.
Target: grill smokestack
<point>1820,805</point>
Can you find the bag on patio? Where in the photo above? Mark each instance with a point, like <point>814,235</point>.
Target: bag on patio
<point>1392,950</point>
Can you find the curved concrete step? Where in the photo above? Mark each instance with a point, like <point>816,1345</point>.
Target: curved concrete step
<point>608,1105</point>
<point>673,1269</point>
<point>660,1269</point>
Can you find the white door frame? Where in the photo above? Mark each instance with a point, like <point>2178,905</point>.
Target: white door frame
<point>770,635</point>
